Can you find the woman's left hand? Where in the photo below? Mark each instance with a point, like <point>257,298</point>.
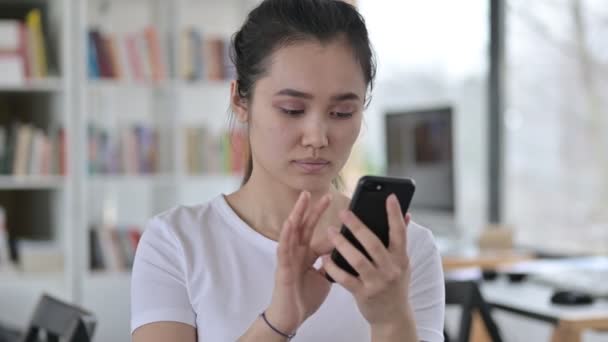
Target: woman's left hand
<point>381,290</point>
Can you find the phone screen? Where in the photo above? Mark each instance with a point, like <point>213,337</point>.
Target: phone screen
<point>369,205</point>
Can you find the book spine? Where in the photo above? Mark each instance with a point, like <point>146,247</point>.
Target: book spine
<point>92,57</point>
<point>156,62</point>
<point>34,24</point>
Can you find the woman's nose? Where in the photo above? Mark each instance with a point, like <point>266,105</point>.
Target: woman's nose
<point>315,132</point>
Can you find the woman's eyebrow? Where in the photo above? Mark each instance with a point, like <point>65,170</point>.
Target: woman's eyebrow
<point>303,95</point>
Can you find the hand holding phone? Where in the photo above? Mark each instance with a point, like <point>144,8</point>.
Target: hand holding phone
<point>369,205</point>
<point>381,289</point>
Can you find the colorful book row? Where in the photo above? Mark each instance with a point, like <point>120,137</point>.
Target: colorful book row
<point>29,150</point>
<point>127,150</point>
<point>211,153</point>
<point>112,248</point>
<point>23,50</point>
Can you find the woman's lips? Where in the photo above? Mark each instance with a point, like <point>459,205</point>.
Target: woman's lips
<point>311,166</point>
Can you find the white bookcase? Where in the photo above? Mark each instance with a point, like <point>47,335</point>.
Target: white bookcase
<point>41,207</point>
<point>79,198</point>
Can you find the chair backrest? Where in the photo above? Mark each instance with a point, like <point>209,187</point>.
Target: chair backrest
<point>467,295</point>
<point>58,320</point>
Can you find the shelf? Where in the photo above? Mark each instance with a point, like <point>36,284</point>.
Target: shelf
<point>110,84</point>
<point>211,178</point>
<point>203,84</point>
<point>52,84</point>
<point>31,182</point>
<point>102,275</point>
<point>143,179</point>
<point>13,279</point>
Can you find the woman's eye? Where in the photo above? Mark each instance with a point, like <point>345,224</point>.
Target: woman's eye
<point>341,115</point>
<point>292,112</point>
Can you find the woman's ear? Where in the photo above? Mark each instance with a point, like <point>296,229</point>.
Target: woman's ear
<point>238,104</point>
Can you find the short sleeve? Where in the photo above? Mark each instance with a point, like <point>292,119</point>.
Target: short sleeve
<point>158,282</point>
<point>427,287</point>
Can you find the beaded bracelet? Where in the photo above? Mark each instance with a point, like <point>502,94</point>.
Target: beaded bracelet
<point>287,336</point>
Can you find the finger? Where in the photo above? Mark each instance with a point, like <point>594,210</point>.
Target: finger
<point>348,281</point>
<point>313,218</point>
<point>367,271</point>
<point>298,213</point>
<point>299,209</point>
<point>396,231</point>
<point>372,244</point>
<point>283,249</point>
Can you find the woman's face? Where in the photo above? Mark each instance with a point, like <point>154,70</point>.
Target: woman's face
<point>305,114</point>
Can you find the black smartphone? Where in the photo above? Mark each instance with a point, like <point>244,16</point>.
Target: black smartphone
<point>369,205</point>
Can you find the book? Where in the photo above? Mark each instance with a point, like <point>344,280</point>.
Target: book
<point>37,44</point>
<point>5,257</point>
<point>3,147</point>
<point>113,247</point>
<point>96,257</point>
<point>111,255</point>
<point>102,54</point>
<point>13,52</point>
<point>92,57</point>
<point>214,58</point>
<point>35,155</point>
<point>154,53</point>
<point>22,150</point>
<point>127,250</point>
<point>9,154</point>
<point>62,152</point>
<point>134,236</point>
<point>134,58</point>
<point>185,55</point>
<point>197,59</point>
<point>115,60</point>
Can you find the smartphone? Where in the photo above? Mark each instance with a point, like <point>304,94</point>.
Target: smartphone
<point>369,205</point>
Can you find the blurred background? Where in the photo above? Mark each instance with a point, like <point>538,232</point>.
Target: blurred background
<point>113,111</point>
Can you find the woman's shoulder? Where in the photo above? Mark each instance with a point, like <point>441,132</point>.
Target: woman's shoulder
<point>181,220</point>
<point>420,239</point>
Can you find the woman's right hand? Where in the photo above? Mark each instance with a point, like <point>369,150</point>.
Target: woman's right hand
<point>299,288</point>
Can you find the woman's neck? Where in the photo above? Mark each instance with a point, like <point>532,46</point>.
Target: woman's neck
<point>265,204</point>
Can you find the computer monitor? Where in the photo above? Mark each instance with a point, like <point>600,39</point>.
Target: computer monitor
<point>419,145</point>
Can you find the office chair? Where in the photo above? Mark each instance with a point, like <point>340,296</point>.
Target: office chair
<point>467,295</point>
<point>59,321</point>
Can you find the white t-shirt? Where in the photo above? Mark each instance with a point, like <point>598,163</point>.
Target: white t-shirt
<point>204,266</point>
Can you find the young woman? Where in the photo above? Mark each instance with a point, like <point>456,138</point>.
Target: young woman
<point>250,266</point>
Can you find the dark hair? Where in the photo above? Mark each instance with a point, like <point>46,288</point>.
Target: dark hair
<point>277,23</point>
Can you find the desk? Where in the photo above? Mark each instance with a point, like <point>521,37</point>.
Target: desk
<point>533,301</point>
<point>484,259</point>
<point>528,299</point>
<point>474,258</point>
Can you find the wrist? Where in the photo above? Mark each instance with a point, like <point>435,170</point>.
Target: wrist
<point>398,328</point>
<point>276,319</point>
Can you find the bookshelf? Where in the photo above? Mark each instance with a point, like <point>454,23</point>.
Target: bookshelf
<point>145,111</point>
<point>31,182</point>
<point>49,85</point>
<point>36,190</point>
